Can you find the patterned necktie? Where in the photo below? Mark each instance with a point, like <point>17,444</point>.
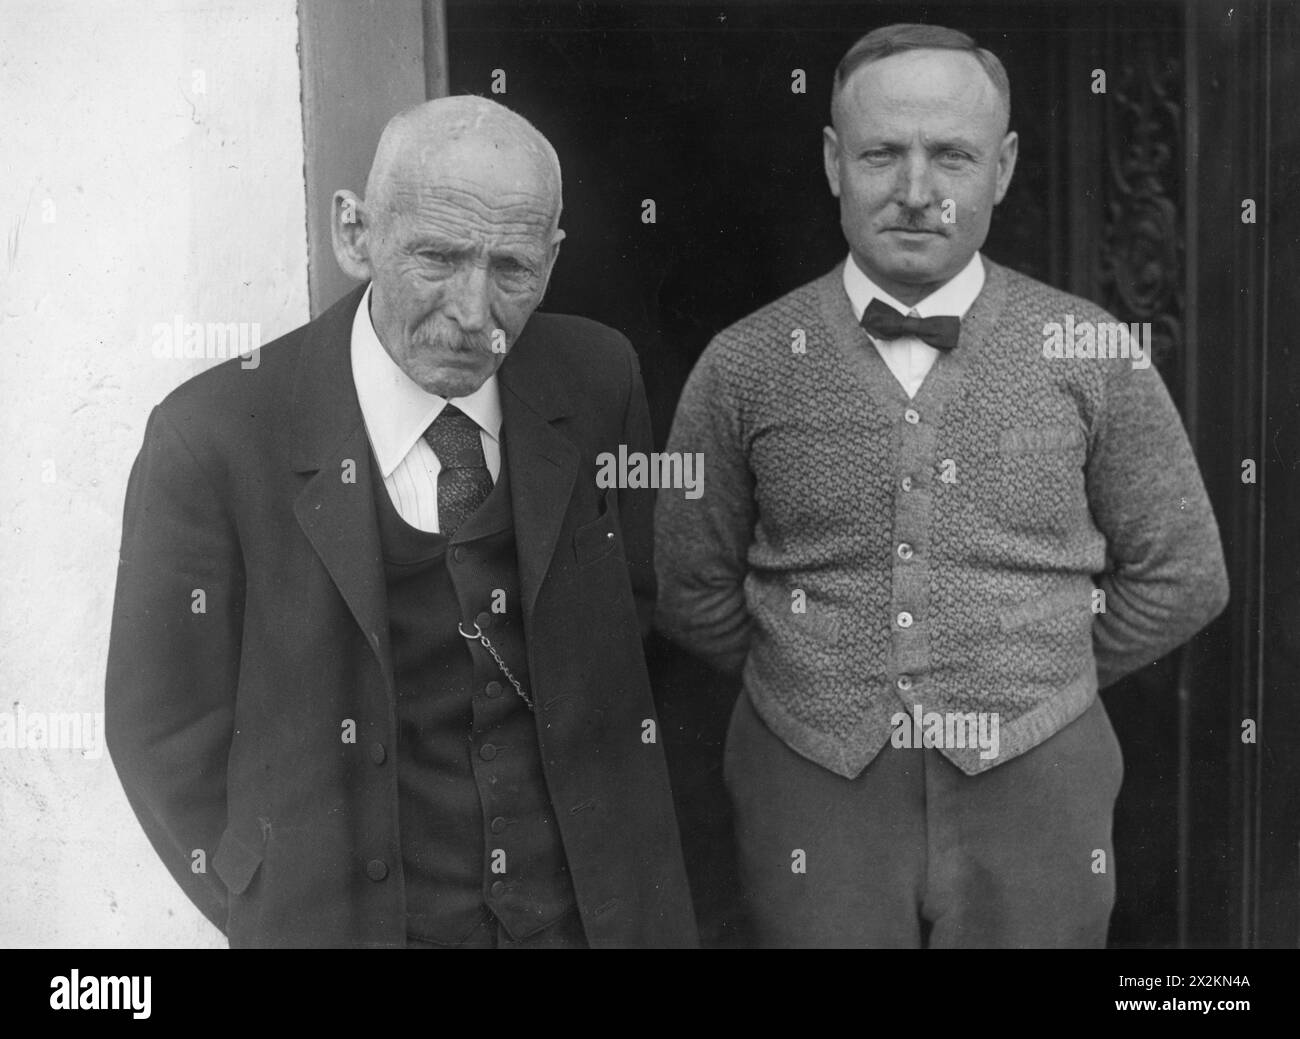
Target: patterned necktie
<point>464,481</point>
<point>884,322</point>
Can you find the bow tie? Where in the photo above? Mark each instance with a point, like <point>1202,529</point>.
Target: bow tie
<point>884,322</point>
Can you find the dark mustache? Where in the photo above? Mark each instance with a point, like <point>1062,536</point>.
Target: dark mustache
<point>909,220</point>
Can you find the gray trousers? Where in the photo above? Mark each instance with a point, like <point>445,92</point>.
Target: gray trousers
<point>915,853</point>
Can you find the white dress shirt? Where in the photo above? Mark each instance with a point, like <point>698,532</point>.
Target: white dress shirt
<point>397,412</point>
<point>909,358</point>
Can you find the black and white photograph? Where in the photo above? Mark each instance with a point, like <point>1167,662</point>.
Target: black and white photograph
<point>652,475</point>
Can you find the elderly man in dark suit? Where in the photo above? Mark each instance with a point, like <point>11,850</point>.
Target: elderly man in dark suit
<point>376,674</point>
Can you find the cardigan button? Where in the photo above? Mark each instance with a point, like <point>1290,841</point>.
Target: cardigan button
<point>912,416</point>
<point>904,683</point>
<point>904,620</point>
<point>904,551</point>
<point>907,483</point>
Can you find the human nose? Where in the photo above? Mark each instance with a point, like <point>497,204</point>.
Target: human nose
<point>469,304</point>
<point>913,188</point>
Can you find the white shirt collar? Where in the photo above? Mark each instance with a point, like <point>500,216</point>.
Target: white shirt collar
<point>396,409</point>
<point>953,297</point>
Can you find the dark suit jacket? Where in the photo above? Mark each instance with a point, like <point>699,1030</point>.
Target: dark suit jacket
<point>250,634</point>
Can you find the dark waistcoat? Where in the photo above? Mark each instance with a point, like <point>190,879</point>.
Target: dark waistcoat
<point>478,832</point>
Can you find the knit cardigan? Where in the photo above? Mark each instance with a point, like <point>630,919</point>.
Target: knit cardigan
<point>859,554</point>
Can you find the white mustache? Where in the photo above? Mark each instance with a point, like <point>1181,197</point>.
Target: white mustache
<point>456,343</point>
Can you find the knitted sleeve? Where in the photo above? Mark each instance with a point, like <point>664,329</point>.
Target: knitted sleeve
<point>701,544</point>
<point>1167,578</point>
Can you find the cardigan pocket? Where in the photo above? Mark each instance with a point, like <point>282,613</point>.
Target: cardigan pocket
<point>1049,636</point>
<point>1046,607</point>
<point>1038,485</point>
<point>790,611</point>
<point>1030,439</point>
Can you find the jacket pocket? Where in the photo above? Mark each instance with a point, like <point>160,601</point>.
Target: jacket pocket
<point>595,540</point>
<point>235,862</point>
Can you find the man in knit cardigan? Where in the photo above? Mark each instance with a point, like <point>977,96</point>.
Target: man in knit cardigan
<point>926,545</point>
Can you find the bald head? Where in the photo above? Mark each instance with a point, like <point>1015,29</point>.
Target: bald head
<point>424,140</point>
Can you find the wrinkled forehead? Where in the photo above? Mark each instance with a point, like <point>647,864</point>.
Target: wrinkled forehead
<point>473,187</point>
<point>942,88</point>
<point>495,163</point>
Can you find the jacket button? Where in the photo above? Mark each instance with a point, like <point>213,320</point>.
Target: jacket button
<point>377,753</point>
<point>498,888</point>
<point>499,825</point>
<point>483,620</point>
<point>487,752</point>
<point>493,689</point>
<point>376,869</point>
<point>457,554</point>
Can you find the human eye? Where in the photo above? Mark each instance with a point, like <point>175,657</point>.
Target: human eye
<point>512,269</point>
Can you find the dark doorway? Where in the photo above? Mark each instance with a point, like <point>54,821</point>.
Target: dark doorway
<point>691,106</point>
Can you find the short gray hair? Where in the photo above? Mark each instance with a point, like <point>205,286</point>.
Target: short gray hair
<point>908,36</point>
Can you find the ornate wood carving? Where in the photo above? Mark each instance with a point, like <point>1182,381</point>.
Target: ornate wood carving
<point>1142,259</point>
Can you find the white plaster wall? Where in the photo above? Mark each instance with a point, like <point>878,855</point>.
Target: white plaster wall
<point>151,164</point>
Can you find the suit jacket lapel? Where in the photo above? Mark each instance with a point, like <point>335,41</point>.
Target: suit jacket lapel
<point>336,506</point>
<point>338,515</point>
<point>543,463</point>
